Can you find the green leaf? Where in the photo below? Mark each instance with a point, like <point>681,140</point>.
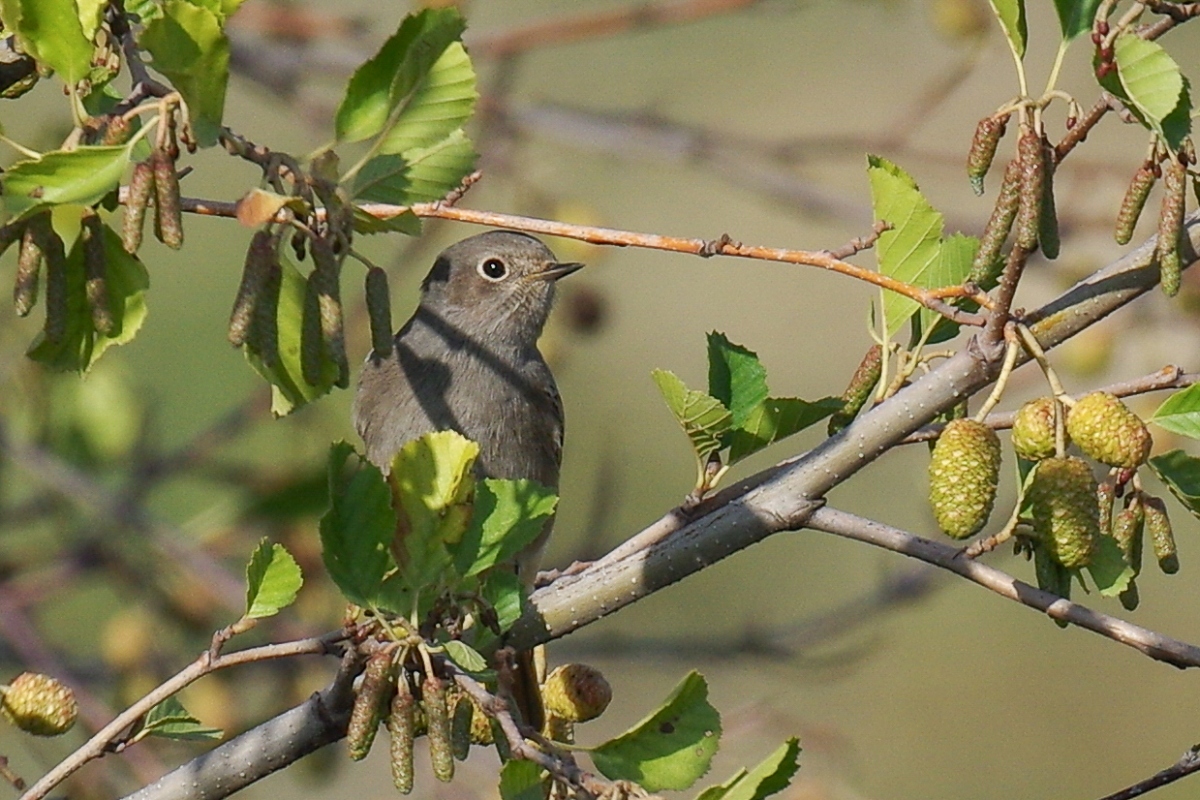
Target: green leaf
<point>1011,14</point>
<point>289,390</point>
<point>81,344</point>
<point>1181,473</point>
<point>465,656</point>
<point>1153,86</point>
<point>384,87</point>
<point>90,12</point>
<point>953,265</point>
<point>670,749</point>
<point>1075,16</point>
<point>417,176</point>
<point>705,419</point>
<point>502,590</point>
<point>82,176</point>
<point>441,103</point>
<point>358,527</point>
<point>521,780</point>
<point>909,251</point>
<point>170,720</point>
<point>432,483</point>
<point>508,516</point>
<point>735,377</point>
<point>1180,413</point>
<point>1108,568</point>
<point>775,419</point>
<point>51,32</point>
<point>272,580</point>
<point>190,48</point>
<point>769,777</point>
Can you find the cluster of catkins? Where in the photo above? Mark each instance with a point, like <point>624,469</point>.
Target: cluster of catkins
<point>410,704</point>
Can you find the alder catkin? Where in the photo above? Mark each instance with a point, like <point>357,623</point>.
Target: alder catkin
<point>461,722</point>
<point>1033,188</point>
<point>168,213</point>
<point>987,137</point>
<point>369,705</point>
<point>1048,219</point>
<point>989,261</point>
<point>263,336</point>
<point>327,273</point>
<point>57,306</point>
<point>402,727</point>
<point>1170,225</point>
<point>312,346</point>
<point>29,266</point>
<point>858,391</point>
<point>437,714</point>
<point>95,272</point>
<point>255,272</point>
<point>1158,525</point>
<point>141,187</point>
<point>1134,201</point>
<point>379,310</point>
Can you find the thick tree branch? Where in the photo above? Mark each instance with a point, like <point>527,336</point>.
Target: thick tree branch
<point>680,543</point>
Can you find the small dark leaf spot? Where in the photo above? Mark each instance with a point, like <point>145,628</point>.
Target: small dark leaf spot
<point>666,727</point>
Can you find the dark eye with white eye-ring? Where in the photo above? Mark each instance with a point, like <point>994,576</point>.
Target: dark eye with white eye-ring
<point>493,269</point>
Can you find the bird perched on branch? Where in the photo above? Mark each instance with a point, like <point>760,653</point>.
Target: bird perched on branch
<point>468,361</point>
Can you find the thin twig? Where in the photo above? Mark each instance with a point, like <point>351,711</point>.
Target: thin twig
<point>205,664</point>
<point>1155,645</point>
<point>1187,764</point>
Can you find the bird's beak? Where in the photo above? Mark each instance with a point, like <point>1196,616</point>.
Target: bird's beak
<point>553,272</point>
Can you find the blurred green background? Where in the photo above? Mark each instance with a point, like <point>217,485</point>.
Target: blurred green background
<point>753,122</point>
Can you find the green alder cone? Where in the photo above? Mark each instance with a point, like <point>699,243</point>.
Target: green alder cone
<point>1066,516</point>
<point>576,692</point>
<point>1106,430</point>
<point>39,704</point>
<point>963,472</point>
<point>1033,429</point>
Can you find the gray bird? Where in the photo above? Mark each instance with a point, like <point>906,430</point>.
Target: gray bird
<point>468,361</point>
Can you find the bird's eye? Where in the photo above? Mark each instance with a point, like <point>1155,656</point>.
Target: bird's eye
<point>493,269</point>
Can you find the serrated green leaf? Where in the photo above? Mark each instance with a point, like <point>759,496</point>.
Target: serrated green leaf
<point>358,528</point>
<point>51,32</point>
<point>521,780</point>
<point>1075,16</point>
<point>382,88</point>
<point>170,720</point>
<point>775,419</point>
<point>670,749</point>
<point>416,176</point>
<point>1011,14</point>
<point>82,176</point>
<point>735,377</point>
<point>432,482</point>
<point>705,419</point>
<point>1108,568</point>
<point>272,580</point>
<point>190,48</point>
<point>289,390</point>
<point>1180,413</point>
<point>1181,473</point>
<point>1150,77</point>
<point>465,656</point>
<point>508,516</point>
<point>955,257</point>
<point>81,344</point>
<point>909,251</point>
<point>772,775</point>
<point>441,103</point>
<point>90,12</point>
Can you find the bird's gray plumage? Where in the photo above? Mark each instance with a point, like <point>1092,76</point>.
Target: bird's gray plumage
<point>468,361</point>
